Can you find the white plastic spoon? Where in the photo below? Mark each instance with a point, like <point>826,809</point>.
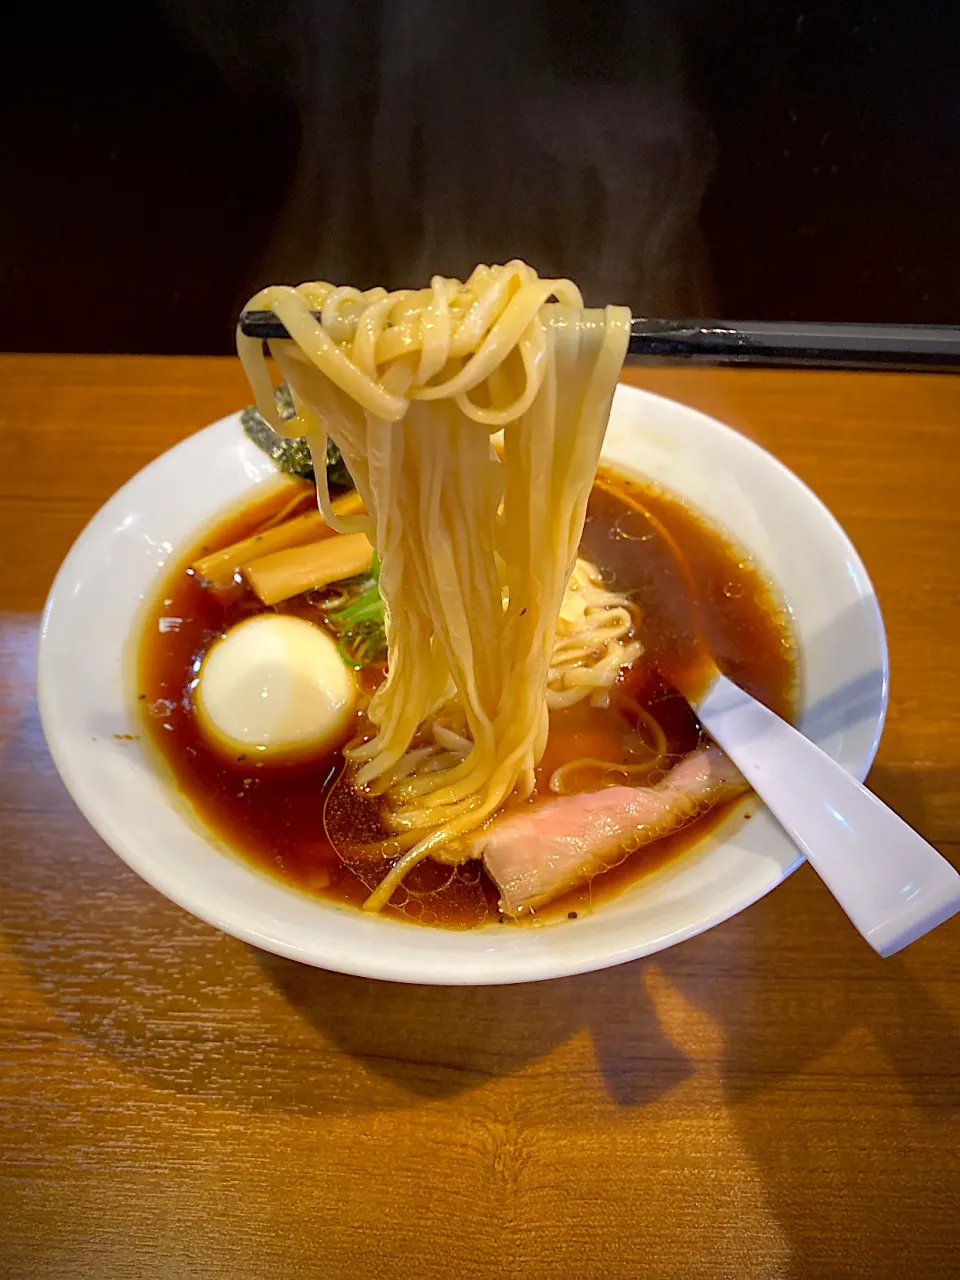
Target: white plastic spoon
<point>892,884</point>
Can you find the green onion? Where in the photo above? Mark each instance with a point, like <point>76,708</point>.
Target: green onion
<point>357,617</point>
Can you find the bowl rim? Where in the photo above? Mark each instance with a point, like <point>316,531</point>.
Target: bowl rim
<point>412,969</point>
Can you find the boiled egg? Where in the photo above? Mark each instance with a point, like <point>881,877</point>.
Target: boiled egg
<point>274,685</point>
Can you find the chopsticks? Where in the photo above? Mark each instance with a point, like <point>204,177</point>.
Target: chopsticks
<point>773,343</point>
<point>837,346</point>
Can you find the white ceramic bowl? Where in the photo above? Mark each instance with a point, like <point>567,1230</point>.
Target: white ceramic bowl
<point>86,697</point>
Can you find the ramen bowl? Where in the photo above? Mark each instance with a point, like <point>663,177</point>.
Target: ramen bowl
<point>88,707</point>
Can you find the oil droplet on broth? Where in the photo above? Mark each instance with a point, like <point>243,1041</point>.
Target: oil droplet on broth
<point>733,590</point>
<point>630,526</point>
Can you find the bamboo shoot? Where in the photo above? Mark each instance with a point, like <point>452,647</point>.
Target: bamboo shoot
<point>219,568</point>
<point>294,570</point>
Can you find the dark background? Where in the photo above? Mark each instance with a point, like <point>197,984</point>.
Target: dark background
<point>163,160</point>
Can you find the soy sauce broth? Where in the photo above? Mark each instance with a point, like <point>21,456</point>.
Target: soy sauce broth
<point>272,813</point>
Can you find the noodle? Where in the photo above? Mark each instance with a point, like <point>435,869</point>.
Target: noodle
<point>560,778</point>
<point>410,385</point>
<point>656,744</point>
<point>592,624</point>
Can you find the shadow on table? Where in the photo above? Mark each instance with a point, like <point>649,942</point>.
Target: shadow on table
<point>843,1091</point>
<point>434,1042</point>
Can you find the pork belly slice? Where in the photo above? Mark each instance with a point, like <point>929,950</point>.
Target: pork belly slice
<point>536,853</point>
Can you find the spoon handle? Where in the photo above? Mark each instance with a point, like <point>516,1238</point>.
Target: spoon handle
<point>892,884</point>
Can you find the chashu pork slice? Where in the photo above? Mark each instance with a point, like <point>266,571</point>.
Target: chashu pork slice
<point>536,853</point>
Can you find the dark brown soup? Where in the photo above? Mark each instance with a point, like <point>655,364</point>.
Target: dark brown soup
<point>273,813</point>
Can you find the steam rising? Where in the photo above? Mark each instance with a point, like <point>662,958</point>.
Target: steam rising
<point>435,135</point>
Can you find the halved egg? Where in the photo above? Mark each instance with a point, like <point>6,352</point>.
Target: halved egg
<point>275,685</point>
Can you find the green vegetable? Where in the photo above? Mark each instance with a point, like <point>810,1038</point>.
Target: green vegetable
<point>293,455</point>
<point>356,616</point>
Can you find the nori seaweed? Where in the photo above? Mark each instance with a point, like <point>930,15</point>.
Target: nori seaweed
<point>293,455</point>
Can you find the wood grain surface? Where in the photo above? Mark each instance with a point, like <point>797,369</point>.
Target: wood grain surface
<point>769,1100</point>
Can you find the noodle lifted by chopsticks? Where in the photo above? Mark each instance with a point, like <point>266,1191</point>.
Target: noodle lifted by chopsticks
<point>411,385</point>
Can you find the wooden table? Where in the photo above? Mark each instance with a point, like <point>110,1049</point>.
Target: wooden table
<point>768,1100</point>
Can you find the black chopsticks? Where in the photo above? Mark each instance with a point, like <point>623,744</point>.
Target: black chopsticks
<point>843,346</point>
<point>772,343</point>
